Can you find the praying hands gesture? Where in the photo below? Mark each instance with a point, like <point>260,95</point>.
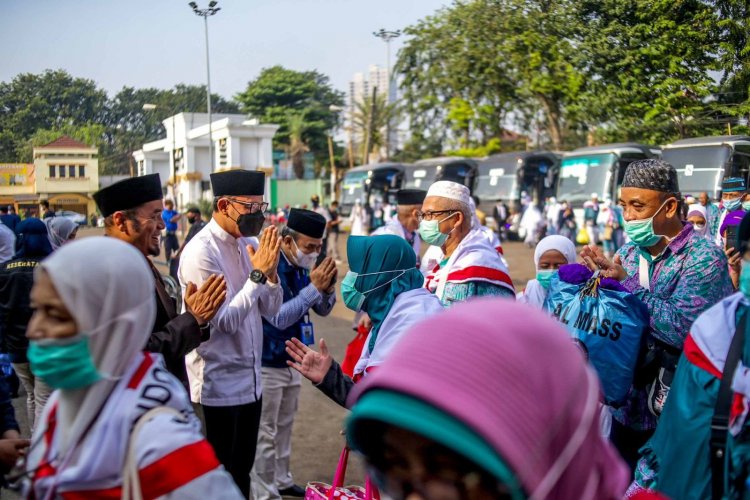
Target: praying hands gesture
<point>323,274</point>
<point>205,302</point>
<point>311,364</point>
<point>266,258</point>
<point>594,259</point>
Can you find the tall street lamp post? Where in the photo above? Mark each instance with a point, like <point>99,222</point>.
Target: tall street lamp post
<point>173,156</point>
<point>388,36</point>
<point>205,13</point>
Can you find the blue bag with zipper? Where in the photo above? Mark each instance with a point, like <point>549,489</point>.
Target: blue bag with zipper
<point>605,320</point>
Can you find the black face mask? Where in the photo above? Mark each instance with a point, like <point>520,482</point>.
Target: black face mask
<point>250,224</point>
<point>191,220</point>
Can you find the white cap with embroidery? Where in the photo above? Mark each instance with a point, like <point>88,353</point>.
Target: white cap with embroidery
<point>451,190</point>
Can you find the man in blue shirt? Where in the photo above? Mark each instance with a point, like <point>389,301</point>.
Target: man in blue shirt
<point>9,218</point>
<point>170,217</point>
<point>305,287</point>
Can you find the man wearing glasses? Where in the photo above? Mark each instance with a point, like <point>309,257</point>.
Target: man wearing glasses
<point>132,211</point>
<point>225,371</point>
<point>307,287</point>
<point>470,267</point>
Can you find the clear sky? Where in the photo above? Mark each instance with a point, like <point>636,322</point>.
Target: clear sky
<point>159,43</point>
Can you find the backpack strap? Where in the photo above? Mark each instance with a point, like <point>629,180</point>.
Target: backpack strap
<point>720,419</point>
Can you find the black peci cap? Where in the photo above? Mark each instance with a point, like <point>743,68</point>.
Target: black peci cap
<point>307,222</point>
<point>410,196</point>
<point>128,194</point>
<point>238,183</point>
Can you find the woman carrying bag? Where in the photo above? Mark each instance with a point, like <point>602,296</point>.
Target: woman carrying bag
<point>118,424</point>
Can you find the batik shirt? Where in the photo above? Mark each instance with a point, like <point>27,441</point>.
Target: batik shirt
<point>713,219</point>
<point>686,279</point>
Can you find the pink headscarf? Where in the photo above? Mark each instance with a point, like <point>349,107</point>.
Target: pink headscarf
<point>522,385</point>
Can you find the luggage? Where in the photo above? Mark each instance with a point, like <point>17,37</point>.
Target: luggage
<point>605,320</point>
<point>322,491</point>
<point>354,351</point>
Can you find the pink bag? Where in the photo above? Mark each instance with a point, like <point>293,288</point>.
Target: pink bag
<point>321,491</point>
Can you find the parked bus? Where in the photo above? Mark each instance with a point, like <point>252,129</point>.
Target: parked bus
<point>702,163</point>
<point>369,184</point>
<point>504,177</point>
<point>597,169</point>
<point>423,173</point>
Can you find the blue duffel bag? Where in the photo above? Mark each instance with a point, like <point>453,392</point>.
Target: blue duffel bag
<point>606,321</point>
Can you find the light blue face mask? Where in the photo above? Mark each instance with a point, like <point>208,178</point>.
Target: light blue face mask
<point>544,277</point>
<point>429,231</point>
<point>353,298</point>
<point>641,231</point>
<point>63,363</point>
<point>746,206</point>
<point>732,205</point>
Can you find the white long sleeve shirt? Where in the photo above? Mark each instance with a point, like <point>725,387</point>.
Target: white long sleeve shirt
<point>225,370</point>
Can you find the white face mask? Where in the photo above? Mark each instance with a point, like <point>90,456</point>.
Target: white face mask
<point>305,260</point>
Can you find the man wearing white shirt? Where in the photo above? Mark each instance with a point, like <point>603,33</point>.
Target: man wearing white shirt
<point>225,371</point>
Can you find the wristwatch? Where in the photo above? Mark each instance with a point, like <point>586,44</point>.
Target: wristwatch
<point>258,277</point>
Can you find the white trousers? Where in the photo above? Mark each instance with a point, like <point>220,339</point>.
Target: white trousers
<point>271,473</point>
<point>37,393</point>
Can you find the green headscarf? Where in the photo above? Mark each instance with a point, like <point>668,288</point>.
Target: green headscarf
<point>375,254</point>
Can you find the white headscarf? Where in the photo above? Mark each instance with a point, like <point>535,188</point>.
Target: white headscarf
<point>698,209</point>
<point>555,242</point>
<point>108,288</point>
<point>59,230</point>
<point>535,293</point>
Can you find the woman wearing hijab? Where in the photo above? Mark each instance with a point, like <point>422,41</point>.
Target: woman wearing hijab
<point>551,253</point>
<point>60,230</point>
<point>384,282</point>
<point>698,217</point>
<point>16,279</point>
<point>488,424</point>
<point>94,308</point>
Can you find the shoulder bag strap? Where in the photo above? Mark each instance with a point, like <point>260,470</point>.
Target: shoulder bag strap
<point>643,277</point>
<point>131,481</point>
<point>720,420</point>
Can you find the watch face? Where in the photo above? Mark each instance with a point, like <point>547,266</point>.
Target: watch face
<point>257,276</point>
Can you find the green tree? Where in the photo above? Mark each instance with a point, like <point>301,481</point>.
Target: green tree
<point>492,57</point>
<point>370,121</point>
<point>47,101</point>
<point>280,94</point>
<point>649,65</point>
<point>92,134</point>
<point>297,145</point>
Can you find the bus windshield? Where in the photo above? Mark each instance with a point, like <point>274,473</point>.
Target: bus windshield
<point>580,176</point>
<point>420,177</point>
<point>498,181</point>
<point>352,187</point>
<point>699,168</point>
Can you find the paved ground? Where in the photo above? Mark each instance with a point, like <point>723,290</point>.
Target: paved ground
<point>317,440</point>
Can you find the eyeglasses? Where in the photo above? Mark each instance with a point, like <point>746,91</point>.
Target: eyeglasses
<point>254,207</point>
<point>431,214</point>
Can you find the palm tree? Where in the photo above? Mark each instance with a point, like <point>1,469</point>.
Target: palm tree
<point>297,146</point>
<point>371,120</point>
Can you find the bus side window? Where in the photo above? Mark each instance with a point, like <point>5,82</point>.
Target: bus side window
<point>739,165</point>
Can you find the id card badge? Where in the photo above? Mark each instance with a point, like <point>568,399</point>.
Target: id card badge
<point>308,337</point>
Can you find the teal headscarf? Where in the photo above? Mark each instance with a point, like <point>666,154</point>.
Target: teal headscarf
<point>374,254</point>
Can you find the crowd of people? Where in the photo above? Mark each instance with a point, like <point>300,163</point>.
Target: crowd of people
<point>464,387</point>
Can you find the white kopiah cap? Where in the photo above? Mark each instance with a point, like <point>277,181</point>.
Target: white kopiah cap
<point>451,190</point>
